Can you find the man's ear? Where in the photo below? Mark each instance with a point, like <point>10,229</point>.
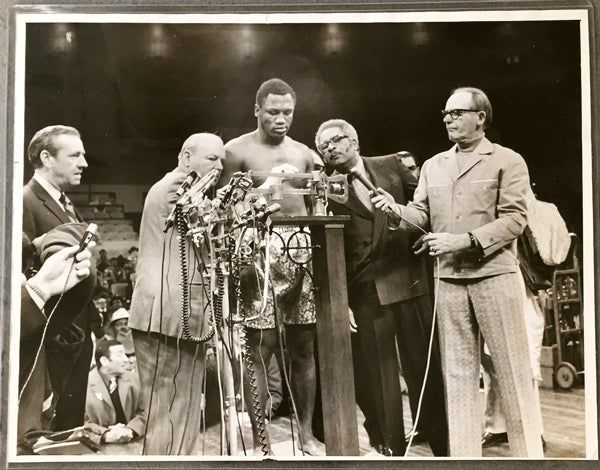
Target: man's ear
<point>481,115</point>
<point>103,361</point>
<point>45,157</point>
<point>256,110</point>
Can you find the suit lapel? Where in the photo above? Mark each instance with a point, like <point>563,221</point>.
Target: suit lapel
<point>49,202</point>
<point>380,178</point>
<point>100,391</point>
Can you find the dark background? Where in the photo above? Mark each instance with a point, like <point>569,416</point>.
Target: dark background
<point>136,91</point>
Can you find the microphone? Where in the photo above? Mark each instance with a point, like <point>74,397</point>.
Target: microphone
<point>259,215</point>
<point>191,177</point>
<point>87,238</point>
<point>389,211</point>
<point>360,177</point>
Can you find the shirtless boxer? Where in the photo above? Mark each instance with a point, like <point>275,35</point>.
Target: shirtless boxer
<point>269,149</point>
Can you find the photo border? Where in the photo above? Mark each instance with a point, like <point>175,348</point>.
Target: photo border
<point>10,174</point>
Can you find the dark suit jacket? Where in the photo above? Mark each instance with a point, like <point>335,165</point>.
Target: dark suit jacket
<point>41,213</point>
<point>373,252</point>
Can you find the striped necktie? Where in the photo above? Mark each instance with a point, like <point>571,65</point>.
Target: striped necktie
<point>64,200</point>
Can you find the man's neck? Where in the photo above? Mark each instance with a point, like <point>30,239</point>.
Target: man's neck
<point>43,175</point>
<point>470,145</point>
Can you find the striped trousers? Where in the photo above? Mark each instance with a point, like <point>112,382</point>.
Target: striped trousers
<point>494,307</point>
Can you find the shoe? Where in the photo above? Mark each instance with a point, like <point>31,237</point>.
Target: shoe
<point>491,439</point>
<point>383,450</point>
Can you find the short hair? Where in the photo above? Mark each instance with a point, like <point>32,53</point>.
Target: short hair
<point>103,346</point>
<point>480,100</point>
<point>345,126</point>
<point>406,154</point>
<point>274,86</point>
<point>44,140</point>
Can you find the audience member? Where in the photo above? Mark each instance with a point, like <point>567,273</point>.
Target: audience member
<point>113,396</point>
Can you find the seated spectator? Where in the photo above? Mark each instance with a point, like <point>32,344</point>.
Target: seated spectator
<point>119,329</point>
<point>113,395</point>
<point>102,262</point>
<point>100,300</point>
<point>116,302</point>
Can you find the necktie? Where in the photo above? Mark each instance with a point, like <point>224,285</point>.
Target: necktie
<point>113,390</point>
<point>68,207</point>
<point>362,193</point>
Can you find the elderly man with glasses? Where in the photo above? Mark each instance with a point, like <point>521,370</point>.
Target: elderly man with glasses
<point>389,297</point>
<point>473,197</point>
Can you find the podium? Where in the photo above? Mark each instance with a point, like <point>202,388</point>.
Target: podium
<point>333,332</point>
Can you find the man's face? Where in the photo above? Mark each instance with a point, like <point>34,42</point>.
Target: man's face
<point>467,126</point>
<point>67,164</point>
<point>121,326</point>
<point>338,149</point>
<point>275,115</point>
<point>206,155</point>
<point>409,162</point>
<point>118,362</point>
<point>100,304</point>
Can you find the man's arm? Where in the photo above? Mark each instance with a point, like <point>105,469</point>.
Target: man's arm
<point>234,161</point>
<point>511,208</point>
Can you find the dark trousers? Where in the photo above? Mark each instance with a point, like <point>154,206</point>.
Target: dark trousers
<point>408,322</point>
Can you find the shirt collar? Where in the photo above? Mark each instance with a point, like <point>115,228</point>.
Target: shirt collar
<point>50,189</point>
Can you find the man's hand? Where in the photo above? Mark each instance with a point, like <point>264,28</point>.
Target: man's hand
<point>353,326</point>
<point>52,276</point>
<point>118,434</point>
<point>443,243</point>
<point>385,202</point>
<point>272,180</point>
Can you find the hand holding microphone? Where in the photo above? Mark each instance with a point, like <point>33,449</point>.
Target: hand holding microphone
<point>381,199</point>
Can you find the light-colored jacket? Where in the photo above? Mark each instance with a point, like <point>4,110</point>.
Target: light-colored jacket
<point>156,299</point>
<point>100,410</point>
<point>486,198</point>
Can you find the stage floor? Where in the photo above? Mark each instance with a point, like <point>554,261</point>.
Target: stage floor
<point>564,431</point>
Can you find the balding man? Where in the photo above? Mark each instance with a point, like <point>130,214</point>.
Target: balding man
<point>171,368</point>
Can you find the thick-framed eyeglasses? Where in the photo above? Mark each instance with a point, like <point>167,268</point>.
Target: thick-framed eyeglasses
<point>334,140</point>
<point>456,113</point>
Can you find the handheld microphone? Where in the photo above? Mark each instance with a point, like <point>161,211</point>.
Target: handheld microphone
<point>87,238</point>
<point>371,187</point>
<point>360,177</point>
<point>187,183</point>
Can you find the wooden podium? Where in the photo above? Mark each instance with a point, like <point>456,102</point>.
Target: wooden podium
<point>333,332</point>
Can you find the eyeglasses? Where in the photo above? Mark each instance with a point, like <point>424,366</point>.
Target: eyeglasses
<point>334,140</point>
<point>456,113</point>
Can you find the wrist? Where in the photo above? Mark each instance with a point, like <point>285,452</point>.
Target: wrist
<point>33,286</point>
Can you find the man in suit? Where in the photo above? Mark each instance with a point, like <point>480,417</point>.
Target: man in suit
<point>113,395</point>
<point>57,156</point>
<point>474,198</point>
<point>171,367</point>
<point>388,291</point>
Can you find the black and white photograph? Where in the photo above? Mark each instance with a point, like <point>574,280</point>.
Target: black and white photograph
<point>327,233</point>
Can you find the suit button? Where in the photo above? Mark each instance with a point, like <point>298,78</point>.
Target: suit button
<point>459,195</point>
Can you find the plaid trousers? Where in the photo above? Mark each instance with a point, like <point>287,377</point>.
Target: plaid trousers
<point>493,306</point>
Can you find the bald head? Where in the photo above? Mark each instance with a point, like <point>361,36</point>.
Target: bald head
<point>201,153</point>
